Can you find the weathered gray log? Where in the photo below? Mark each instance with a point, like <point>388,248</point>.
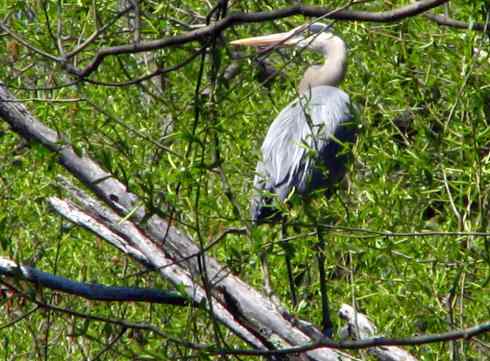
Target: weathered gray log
<point>248,305</point>
<point>131,237</point>
<point>359,327</point>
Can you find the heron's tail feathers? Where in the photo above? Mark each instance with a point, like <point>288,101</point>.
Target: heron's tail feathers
<point>262,210</point>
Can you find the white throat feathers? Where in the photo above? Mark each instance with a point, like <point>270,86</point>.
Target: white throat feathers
<point>333,70</point>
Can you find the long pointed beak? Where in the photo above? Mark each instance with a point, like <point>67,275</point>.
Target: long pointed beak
<point>280,39</point>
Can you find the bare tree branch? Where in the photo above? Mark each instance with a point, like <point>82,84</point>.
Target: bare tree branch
<point>131,237</point>
<point>73,214</point>
<point>97,33</point>
<point>465,334</point>
<point>117,322</point>
<point>265,319</point>
<point>154,73</point>
<point>453,23</point>
<point>91,291</point>
<point>24,42</point>
<point>218,27</point>
<point>215,29</point>
<point>20,317</point>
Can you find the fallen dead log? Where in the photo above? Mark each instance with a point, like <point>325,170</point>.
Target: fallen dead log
<point>251,310</point>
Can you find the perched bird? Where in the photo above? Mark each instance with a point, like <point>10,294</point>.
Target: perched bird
<point>304,149</point>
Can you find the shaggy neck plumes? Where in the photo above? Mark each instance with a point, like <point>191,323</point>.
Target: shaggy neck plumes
<point>333,70</point>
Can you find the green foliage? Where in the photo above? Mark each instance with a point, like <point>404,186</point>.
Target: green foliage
<point>421,164</point>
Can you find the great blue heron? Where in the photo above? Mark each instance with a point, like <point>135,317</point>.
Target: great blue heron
<point>303,148</point>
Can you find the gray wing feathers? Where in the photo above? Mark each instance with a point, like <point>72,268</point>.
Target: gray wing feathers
<point>306,124</point>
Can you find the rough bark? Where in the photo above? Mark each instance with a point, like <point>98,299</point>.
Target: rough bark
<point>162,243</point>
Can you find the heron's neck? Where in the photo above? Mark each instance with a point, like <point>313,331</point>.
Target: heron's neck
<point>333,70</point>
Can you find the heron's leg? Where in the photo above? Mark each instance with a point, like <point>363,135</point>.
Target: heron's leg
<point>326,321</point>
<point>327,326</point>
<point>265,272</point>
<point>288,252</point>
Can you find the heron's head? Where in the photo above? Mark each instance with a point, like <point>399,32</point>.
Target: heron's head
<point>316,37</point>
<point>302,36</point>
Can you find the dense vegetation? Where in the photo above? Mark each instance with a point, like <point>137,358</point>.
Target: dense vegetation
<point>187,142</point>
